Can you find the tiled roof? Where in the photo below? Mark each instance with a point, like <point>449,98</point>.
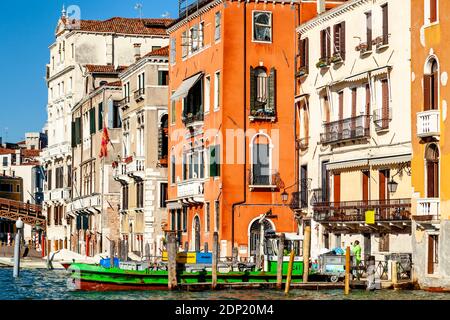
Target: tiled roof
<point>7,151</point>
<point>31,153</point>
<point>115,84</point>
<point>162,52</point>
<point>127,26</point>
<point>104,68</point>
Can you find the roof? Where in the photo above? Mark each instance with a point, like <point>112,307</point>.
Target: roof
<point>115,84</point>
<point>4,151</point>
<point>161,52</point>
<point>127,26</point>
<point>93,68</point>
<point>31,153</point>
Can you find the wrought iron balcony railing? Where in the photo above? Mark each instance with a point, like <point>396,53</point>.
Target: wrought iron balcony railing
<point>264,179</point>
<point>355,211</point>
<point>344,130</point>
<point>123,104</point>
<point>139,94</point>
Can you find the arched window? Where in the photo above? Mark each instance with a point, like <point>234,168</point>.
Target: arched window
<point>262,92</point>
<point>261,151</point>
<point>431,86</point>
<point>432,173</point>
<point>261,86</point>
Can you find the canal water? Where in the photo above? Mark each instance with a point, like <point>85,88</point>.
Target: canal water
<point>51,285</point>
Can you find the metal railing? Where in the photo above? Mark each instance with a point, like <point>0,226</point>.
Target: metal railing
<point>124,102</point>
<point>346,129</point>
<point>266,178</point>
<point>381,118</point>
<point>139,94</point>
<point>385,210</point>
<point>192,118</point>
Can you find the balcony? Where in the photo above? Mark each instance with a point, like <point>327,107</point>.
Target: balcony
<point>124,103</point>
<point>428,124</point>
<point>382,118</point>
<point>299,200</point>
<point>120,172</point>
<point>191,119</point>
<point>60,150</point>
<point>191,191</point>
<point>139,94</point>
<point>303,144</point>
<point>265,180</point>
<point>393,214</point>
<point>350,129</point>
<point>91,203</point>
<point>58,195</point>
<point>428,210</point>
<point>136,168</point>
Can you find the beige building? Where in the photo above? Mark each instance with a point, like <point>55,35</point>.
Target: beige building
<point>142,171</point>
<point>354,133</point>
<point>79,43</point>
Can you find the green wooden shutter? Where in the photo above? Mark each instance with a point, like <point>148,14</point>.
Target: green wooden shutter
<point>92,120</point>
<point>212,162</point>
<point>217,148</point>
<point>100,116</point>
<point>272,91</point>
<point>252,88</point>
<point>79,140</point>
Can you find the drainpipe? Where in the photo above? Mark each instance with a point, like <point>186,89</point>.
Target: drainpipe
<point>245,130</point>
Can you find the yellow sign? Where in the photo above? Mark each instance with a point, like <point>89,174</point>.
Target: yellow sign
<point>370,217</point>
<point>182,257</point>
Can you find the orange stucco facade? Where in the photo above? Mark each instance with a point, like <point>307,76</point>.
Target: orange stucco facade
<point>235,55</point>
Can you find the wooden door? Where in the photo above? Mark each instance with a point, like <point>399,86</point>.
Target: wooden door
<point>433,179</point>
<point>383,194</point>
<point>337,187</point>
<point>430,254</point>
<point>365,186</point>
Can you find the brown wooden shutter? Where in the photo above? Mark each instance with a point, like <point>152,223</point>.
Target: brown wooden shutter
<point>306,54</point>
<point>272,89</point>
<point>365,185</point>
<point>426,92</point>
<point>337,187</point>
<point>322,44</point>
<point>430,255</point>
<point>354,100</point>
<point>433,11</point>
<point>341,105</point>
<point>369,30</point>
<point>385,104</point>
<point>342,40</point>
<point>336,40</point>
<point>382,185</point>
<point>435,100</point>
<point>385,24</point>
<point>328,42</point>
<point>252,88</point>
<point>368,98</point>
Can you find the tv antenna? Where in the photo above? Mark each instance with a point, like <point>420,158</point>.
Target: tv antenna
<point>138,7</point>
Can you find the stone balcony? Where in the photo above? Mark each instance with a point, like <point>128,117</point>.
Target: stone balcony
<point>90,204</point>
<point>191,192</point>
<point>56,151</point>
<point>57,195</point>
<point>428,124</point>
<point>428,210</point>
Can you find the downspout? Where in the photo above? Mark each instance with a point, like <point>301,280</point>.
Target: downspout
<point>244,181</point>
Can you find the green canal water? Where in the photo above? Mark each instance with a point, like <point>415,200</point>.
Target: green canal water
<point>51,285</point>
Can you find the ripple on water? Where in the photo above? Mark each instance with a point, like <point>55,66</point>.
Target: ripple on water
<point>52,285</point>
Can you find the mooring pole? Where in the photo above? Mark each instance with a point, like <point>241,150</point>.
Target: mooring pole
<point>214,260</point>
<point>306,252</point>
<point>111,253</point>
<point>172,264</point>
<point>394,273</point>
<point>19,227</point>
<point>289,275</point>
<point>280,257</point>
<point>347,272</point>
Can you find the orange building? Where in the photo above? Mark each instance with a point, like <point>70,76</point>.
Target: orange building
<point>232,142</point>
<point>431,150</point>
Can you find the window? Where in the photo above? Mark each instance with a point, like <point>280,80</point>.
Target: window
<point>163,145</point>
<point>385,10</point>
<point>432,173</point>
<point>5,161</point>
<point>73,50</point>
<point>261,175</point>
<point>304,186</point>
<point>339,40</point>
<point>214,161</point>
<point>201,35</point>
<point>217,32</point>
<point>194,39</point>
<point>262,93</point>
<point>385,104</point>
<point>325,43</point>
<point>207,93</point>
<point>100,116</point>
<point>173,111</point>
<point>69,176</point>
<point>125,198</point>
<point>163,78</point>
<point>369,30</point>
<point>431,11</point>
<point>325,182</point>
<point>304,53</point>
<point>59,178</point>
<point>185,216</point>
<point>92,121</point>
<point>163,196</point>
<point>172,220</point>
<point>18,188</point>
<point>217,97</point>
<point>173,50</point>
<point>114,118</point>
<point>184,44</point>
<point>207,217</point>
<point>193,104</point>
<point>384,243</point>
<point>172,169</point>
<point>49,180</point>
<point>262,26</point>
<point>141,84</point>
<point>433,253</point>
<point>431,86</point>
<point>140,195</point>
<point>126,91</point>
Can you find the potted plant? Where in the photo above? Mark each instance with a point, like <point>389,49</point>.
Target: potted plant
<point>302,71</point>
<point>336,58</point>
<point>322,63</point>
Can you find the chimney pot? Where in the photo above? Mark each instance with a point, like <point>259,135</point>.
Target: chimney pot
<point>321,6</point>
<point>137,51</point>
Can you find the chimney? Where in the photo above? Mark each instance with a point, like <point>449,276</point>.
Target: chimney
<point>320,6</point>
<point>137,51</point>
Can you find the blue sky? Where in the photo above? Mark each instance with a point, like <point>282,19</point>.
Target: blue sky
<point>26,31</point>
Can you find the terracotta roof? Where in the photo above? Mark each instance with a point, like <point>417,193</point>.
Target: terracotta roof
<point>31,153</point>
<point>128,26</point>
<point>104,68</point>
<point>115,84</point>
<point>7,151</point>
<point>162,52</point>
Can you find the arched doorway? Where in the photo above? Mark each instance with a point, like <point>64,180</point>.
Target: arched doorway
<point>196,233</point>
<point>255,235</point>
<point>432,171</point>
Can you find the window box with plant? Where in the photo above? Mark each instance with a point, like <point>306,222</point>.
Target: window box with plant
<point>364,48</point>
<point>337,58</point>
<point>302,71</point>
<point>323,63</point>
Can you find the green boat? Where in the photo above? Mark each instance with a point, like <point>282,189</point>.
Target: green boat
<point>87,277</point>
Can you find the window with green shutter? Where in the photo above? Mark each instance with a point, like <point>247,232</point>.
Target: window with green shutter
<point>92,120</point>
<point>100,116</point>
<point>214,161</point>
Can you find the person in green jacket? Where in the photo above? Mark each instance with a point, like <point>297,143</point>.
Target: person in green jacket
<point>357,252</point>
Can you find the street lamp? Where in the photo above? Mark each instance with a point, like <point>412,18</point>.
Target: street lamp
<point>284,196</point>
<point>392,186</point>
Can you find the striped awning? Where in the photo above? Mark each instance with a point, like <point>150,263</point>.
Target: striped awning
<point>358,77</point>
<point>348,164</point>
<point>380,71</point>
<point>391,160</point>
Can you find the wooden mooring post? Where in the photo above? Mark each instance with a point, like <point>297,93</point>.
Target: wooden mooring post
<point>172,263</point>
<point>280,261</point>
<point>347,272</point>
<point>306,252</point>
<point>112,246</point>
<point>394,273</point>
<point>214,260</point>
<point>289,274</point>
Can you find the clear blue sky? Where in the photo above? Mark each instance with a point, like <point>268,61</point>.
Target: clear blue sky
<point>26,31</point>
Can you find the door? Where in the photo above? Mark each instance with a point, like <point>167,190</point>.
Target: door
<point>383,194</point>
<point>432,253</point>
<point>365,184</point>
<point>197,234</point>
<point>337,187</point>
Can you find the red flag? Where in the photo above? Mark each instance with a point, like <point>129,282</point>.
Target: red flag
<point>105,141</point>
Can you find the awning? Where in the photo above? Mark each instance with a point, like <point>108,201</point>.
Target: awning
<point>301,97</point>
<point>380,71</point>
<point>391,160</point>
<point>358,77</point>
<point>184,88</point>
<point>348,164</point>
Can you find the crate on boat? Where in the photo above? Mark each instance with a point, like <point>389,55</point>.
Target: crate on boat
<point>133,266</point>
<point>204,258</point>
<point>106,263</point>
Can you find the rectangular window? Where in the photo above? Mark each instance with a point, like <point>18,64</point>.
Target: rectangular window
<point>140,195</point>
<point>201,35</point>
<point>49,180</point>
<point>69,176</point>
<point>207,217</point>
<point>172,169</point>
<point>217,32</point>
<point>385,114</point>
<point>325,182</point>
<point>194,39</point>
<point>172,220</point>
<point>433,17</point>
<point>262,26</point>
<point>185,167</point>
<point>184,44</point>
<point>304,187</point>
<point>5,161</point>
<point>261,165</point>
<point>163,78</point>
<point>114,118</point>
<point>433,253</point>
<point>217,97</point>
<point>141,82</point>
<point>369,30</point>
<point>92,121</point>
<point>125,198</point>
<point>214,161</point>
<point>385,10</point>
<point>185,216</point>
<point>173,111</point>
<point>163,196</point>
<point>207,93</point>
<point>304,53</point>
<point>100,116</point>
<point>173,50</point>
<point>339,40</point>
<point>325,43</point>
<point>384,243</point>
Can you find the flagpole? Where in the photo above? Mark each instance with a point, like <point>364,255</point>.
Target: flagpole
<point>102,200</point>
